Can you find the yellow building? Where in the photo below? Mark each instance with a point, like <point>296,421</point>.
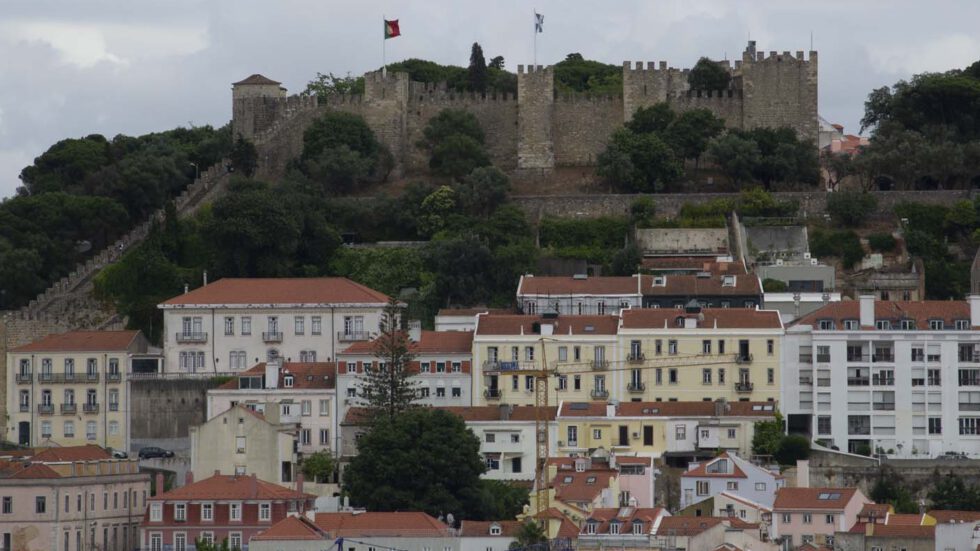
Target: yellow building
<point>655,429</point>
<point>699,354</point>
<point>71,389</point>
<point>581,350</point>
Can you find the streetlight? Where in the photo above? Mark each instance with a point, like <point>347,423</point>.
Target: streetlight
<point>197,171</point>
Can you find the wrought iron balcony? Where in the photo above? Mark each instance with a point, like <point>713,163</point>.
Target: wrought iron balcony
<point>637,358</point>
<point>351,336</point>
<point>192,338</point>
<point>600,394</point>
<point>271,336</point>
<point>113,406</point>
<point>24,378</point>
<point>743,359</point>
<point>24,408</point>
<point>636,387</point>
<point>69,408</point>
<point>599,364</point>
<point>90,408</point>
<point>858,381</point>
<point>492,394</point>
<point>886,356</point>
<point>45,409</point>
<point>113,377</point>
<point>744,386</point>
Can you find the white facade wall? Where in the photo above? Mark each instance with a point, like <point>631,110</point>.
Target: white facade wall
<point>290,409</point>
<point>196,339</point>
<point>485,543</point>
<point>759,486</point>
<point>511,439</point>
<point>821,389</point>
<point>579,304</point>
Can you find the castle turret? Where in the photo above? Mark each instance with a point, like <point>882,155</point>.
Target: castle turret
<point>256,103</point>
<point>780,89</point>
<point>535,107</point>
<point>386,100</point>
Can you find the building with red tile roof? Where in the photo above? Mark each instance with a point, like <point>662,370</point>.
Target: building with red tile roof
<point>884,353</point>
<point>578,295</point>
<point>580,485</point>
<point>47,493</point>
<point>70,389</point>
<point>726,287</point>
<point>230,324</point>
<point>356,530</point>
<point>729,472</point>
<point>815,513</point>
<point>218,507</point>
<point>621,527</point>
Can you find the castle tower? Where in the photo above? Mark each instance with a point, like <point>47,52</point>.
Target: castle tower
<point>255,104</point>
<point>535,108</point>
<point>386,99</point>
<point>780,90</point>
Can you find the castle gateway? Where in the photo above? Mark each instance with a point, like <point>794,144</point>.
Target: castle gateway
<point>535,130</point>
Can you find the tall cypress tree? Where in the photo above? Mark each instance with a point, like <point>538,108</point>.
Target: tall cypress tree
<point>477,75</point>
<point>387,388</point>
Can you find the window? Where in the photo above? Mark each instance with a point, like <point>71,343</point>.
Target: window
<point>706,346</point>
<point>113,428</point>
<point>672,346</point>
<point>8,505</point>
<point>440,367</point>
<point>770,347</point>
<point>239,444</point>
<point>265,511</point>
<point>515,465</point>
<point>495,530</point>
<point>706,376</point>
<point>457,392</point>
<point>440,392</point>
<point>529,353</point>
<point>316,325</point>
<point>771,376</point>
<point>306,407</point>
<point>680,432</point>
<point>760,486</point>
<point>207,511</point>
<point>299,325</point>
<point>936,325</point>
<point>935,425</point>
<point>731,434</point>
<point>823,353</point>
<point>672,376</point>
<point>826,325</point>
<point>702,487</point>
<point>324,437</point>
<point>246,325</point>
<point>851,325</point>
<point>577,382</point>
<point>829,519</point>
<point>324,408</point>
<point>180,512</point>
<point>180,541</point>
<point>229,326</point>
<point>731,485</point>
<point>156,541</point>
<point>596,434</point>
<point>156,512</point>
<point>787,518</point>
<point>572,435</point>
<point>235,512</point>
<point>659,376</point>
<point>305,437</point>
<point>205,537</point>
<point>807,518</point>
<point>69,429</point>
<point>493,462</point>
<point>823,424</point>
<point>234,540</point>
<point>45,429</point>
<point>614,527</point>
<point>91,430</point>
<point>287,381</point>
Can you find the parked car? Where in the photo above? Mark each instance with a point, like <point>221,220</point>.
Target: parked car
<point>118,454</point>
<point>150,452</point>
<point>953,456</point>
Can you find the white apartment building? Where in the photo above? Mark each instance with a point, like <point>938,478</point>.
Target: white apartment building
<point>899,377</point>
<point>303,394</point>
<point>232,324</point>
<point>442,361</point>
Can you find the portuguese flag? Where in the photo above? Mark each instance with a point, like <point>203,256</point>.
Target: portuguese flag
<point>391,29</point>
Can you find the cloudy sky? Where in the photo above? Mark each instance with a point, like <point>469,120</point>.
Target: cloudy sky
<point>76,67</point>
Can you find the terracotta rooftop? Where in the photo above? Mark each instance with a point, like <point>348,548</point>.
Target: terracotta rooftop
<point>497,324</point>
<point>701,471</point>
<point>894,530</point>
<point>257,291</point>
<point>565,285</point>
<point>581,486</point>
<point>481,529</point>
<point>603,517</point>
<point>292,528</point>
<point>256,79</point>
<point>877,510</point>
<point>356,415</point>
<point>686,526</point>
<point>407,524</point>
<point>906,519</point>
<point>566,528</point>
<point>947,516</point>
<point>813,498</point>
<point>431,342</point>
<point>26,470</point>
<point>82,341</point>
<point>694,285</point>
<point>708,318</point>
<point>306,375</point>
<point>222,486</point>
<point>89,452</point>
<point>921,311</point>
<point>668,409</point>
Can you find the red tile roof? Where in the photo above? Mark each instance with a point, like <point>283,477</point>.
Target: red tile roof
<point>306,375</point>
<point>905,519</point>
<point>686,526</point>
<point>564,285</point>
<point>222,486</point>
<point>581,486</point>
<point>813,498</point>
<point>566,528</point>
<point>498,324</point>
<point>481,529</point>
<point>921,311</point>
<point>894,530</point>
<point>604,516</point>
<point>407,524</point>
<point>431,342</point>
<point>708,318</point>
<point>668,409</point>
<point>319,290</point>
<point>89,452</point>
<point>293,528</point>
<point>26,470</point>
<point>693,285</point>
<point>256,79</point>
<point>82,341</point>
<point>701,471</point>
<point>356,415</point>
<point>947,516</point>
<point>877,510</point>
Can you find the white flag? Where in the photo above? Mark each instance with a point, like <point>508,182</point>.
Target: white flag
<point>538,22</point>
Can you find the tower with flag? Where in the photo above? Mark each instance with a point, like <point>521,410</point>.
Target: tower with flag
<point>538,28</point>
<point>391,31</point>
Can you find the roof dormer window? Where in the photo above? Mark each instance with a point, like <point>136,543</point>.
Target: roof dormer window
<point>851,325</point>
<point>287,381</point>
<point>637,527</point>
<point>590,526</point>
<point>728,281</point>
<point>826,325</point>
<point>962,325</point>
<point>883,325</point>
<point>659,281</point>
<point>494,529</point>
<point>936,324</point>
<point>614,527</point>
<point>908,325</point>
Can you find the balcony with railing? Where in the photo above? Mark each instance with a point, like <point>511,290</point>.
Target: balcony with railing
<point>806,378</point>
<point>883,380</point>
<point>859,428</point>
<point>884,355</point>
<point>806,357</point>
<point>969,406</point>
<point>349,336</point>
<point>512,365</point>
<point>636,358</point>
<point>968,354</point>
<point>599,394</point>
<point>857,357</point>
<point>823,358</point>
<point>113,377</point>
<point>113,406</point>
<point>90,408</point>
<point>858,381</point>
<point>192,338</point>
<point>25,408</point>
<point>45,409</point>
<point>272,337</point>
<point>636,387</point>
<point>883,406</point>
<point>24,378</point>
<point>68,409</point>
<point>492,394</point>
<point>743,358</point>
<point>599,364</point>
<point>91,377</point>
<point>744,386</point>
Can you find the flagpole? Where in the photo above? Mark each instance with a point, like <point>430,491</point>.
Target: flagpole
<point>384,39</point>
<point>535,30</point>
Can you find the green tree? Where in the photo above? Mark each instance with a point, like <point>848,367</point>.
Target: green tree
<point>339,170</point>
<point>882,242</point>
<point>654,119</point>
<point>436,209</point>
<point>577,74</point>
<point>638,162</point>
<point>850,208</point>
<point>65,165</point>
<point>774,285</point>
<point>457,156</point>
<point>890,487</point>
<point>483,191</point>
<point>708,75</point>
<point>626,261</point>
<point>390,390</point>
<point>450,122</point>
<point>643,212</point>
<point>951,492</point>
<point>462,269</point>
<point>768,435</point>
<point>692,131</point>
<point>336,129</point>
<point>476,75</point>
<point>327,85</point>
<point>318,466</point>
<point>735,156</point>
<point>792,448</point>
<point>244,157</point>
<point>837,166</point>
<point>420,460</point>
<point>531,534</point>
<point>497,62</point>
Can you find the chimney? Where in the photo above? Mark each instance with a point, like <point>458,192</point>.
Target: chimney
<point>253,486</point>
<point>721,407</point>
<point>159,484</point>
<point>869,529</point>
<point>217,472</point>
<point>547,329</point>
<point>802,473</point>
<point>505,412</point>
<point>272,373</point>
<point>189,478</point>
<point>610,409</point>
<point>867,310</point>
<point>205,278</point>
<point>299,482</point>
<point>186,288</point>
<point>974,302</point>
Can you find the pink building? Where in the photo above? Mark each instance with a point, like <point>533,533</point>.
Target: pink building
<point>221,507</point>
<point>70,499</point>
<point>812,515</point>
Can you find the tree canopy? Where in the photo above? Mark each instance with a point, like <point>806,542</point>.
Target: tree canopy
<point>708,75</point>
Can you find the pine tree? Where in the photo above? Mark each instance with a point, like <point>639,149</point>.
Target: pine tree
<point>477,75</point>
<point>388,387</point>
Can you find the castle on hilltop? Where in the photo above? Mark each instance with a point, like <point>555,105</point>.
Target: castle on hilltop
<point>535,129</point>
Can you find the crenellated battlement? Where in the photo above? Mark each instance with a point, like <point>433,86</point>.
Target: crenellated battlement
<point>534,69</point>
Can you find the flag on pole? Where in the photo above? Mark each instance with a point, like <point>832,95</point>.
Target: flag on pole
<point>538,22</point>
<point>391,29</point>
